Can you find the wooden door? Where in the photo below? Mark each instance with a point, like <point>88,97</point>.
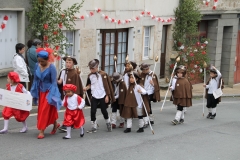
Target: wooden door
<point>163,51</point>
<point>237,61</point>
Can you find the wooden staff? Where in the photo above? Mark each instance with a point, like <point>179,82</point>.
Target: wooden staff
<point>156,60</point>
<point>142,100</point>
<point>115,62</point>
<point>126,62</point>
<point>79,72</point>
<point>204,80</point>
<point>177,60</point>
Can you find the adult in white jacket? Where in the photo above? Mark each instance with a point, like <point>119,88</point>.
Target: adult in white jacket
<point>19,64</point>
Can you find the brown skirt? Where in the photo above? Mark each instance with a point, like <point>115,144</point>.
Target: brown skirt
<point>186,102</point>
<point>129,112</point>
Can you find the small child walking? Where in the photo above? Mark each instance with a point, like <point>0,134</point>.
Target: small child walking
<point>14,85</point>
<point>133,106</point>
<point>182,93</point>
<point>73,115</point>
<point>213,84</point>
<point>120,90</point>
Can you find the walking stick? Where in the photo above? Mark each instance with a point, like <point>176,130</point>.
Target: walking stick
<point>177,60</point>
<point>143,103</point>
<point>156,59</point>
<point>124,65</point>
<point>204,80</point>
<point>79,71</point>
<point>115,61</point>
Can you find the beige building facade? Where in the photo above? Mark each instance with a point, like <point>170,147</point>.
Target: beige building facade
<point>142,37</point>
<point>222,27</point>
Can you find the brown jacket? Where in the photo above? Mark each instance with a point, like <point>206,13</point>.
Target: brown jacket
<point>156,95</point>
<point>206,91</point>
<point>122,92</point>
<point>130,105</point>
<point>72,77</point>
<point>182,95</point>
<point>107,86</point>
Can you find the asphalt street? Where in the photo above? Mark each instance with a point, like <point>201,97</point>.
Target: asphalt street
<point>198,138</point>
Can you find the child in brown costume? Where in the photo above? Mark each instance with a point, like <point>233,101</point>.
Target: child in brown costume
<point>99,83</point>
<point>182,93</point>
<point>150,82</point>
<point>69,75</point>
<point>129,66</point>
<point>120,91</point>
<point>133,106</point>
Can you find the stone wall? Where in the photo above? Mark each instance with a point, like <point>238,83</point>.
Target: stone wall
<point>226,5</point>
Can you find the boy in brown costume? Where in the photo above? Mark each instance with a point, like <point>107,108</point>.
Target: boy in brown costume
<point>150,82</point>
<point>182,93</point>
<point>69,75</point>
<point>129,66</point>
<point>120,91</point>
<point>101,94</point>
<point>133,106</point>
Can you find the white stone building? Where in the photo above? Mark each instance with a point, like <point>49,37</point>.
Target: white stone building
<point>222,27</point>
<point>100,37</point>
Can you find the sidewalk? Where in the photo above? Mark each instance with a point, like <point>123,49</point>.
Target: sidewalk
<point>197,93</point>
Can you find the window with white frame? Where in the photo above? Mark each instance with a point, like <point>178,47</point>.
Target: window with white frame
<point>147,37</point>
<point>70,40</point>
<point>70,50</point>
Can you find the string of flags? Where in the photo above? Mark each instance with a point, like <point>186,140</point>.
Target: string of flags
<point>214,3</point>
<point>125,21</point>
<point>3,24</point>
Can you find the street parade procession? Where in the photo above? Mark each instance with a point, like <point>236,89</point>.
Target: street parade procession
<point>128,95</point>
<point>119,79</point>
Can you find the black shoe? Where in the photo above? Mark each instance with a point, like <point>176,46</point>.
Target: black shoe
<point>145,126</point>
<point>127,130</point>
<point>63,128</point>
<point>152,122</point>
<point>81,135</point>
<point>174,122</point>
<point>66,138</point>
<point>140,130</point>
<point>213,116</point>
<point>181,120</point>
<point>209,115</point>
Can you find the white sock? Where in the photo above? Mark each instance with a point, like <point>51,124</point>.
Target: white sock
<point>129,123</point>
<point>121,119</point>
<point>94,124</point>
<point>68,132</point>
<point>145,119</point>
<point>210,110</point>
<point>24,129</point>
<point>214,110</point>
<point>5,128</point>
<point>114,118</point>
<point>178,115</point>
<point>140,123</point>
<point>107,120</point>
<point>81,130</point>
<point>151,117</point>
<point>182,115</point>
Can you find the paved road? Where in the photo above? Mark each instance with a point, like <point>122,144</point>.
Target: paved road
<point>197,139</point>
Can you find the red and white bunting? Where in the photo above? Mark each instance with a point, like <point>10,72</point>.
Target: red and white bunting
<point>206,2</point>
<point>126,21</point>
<point>3,24</point>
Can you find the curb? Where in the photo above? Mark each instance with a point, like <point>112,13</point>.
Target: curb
<point>200,96</point>
<point>162,98</point>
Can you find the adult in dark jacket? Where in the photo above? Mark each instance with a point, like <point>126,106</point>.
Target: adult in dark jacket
<point>32,58</point>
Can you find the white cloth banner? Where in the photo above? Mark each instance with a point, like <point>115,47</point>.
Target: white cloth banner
<point>16,100</point>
